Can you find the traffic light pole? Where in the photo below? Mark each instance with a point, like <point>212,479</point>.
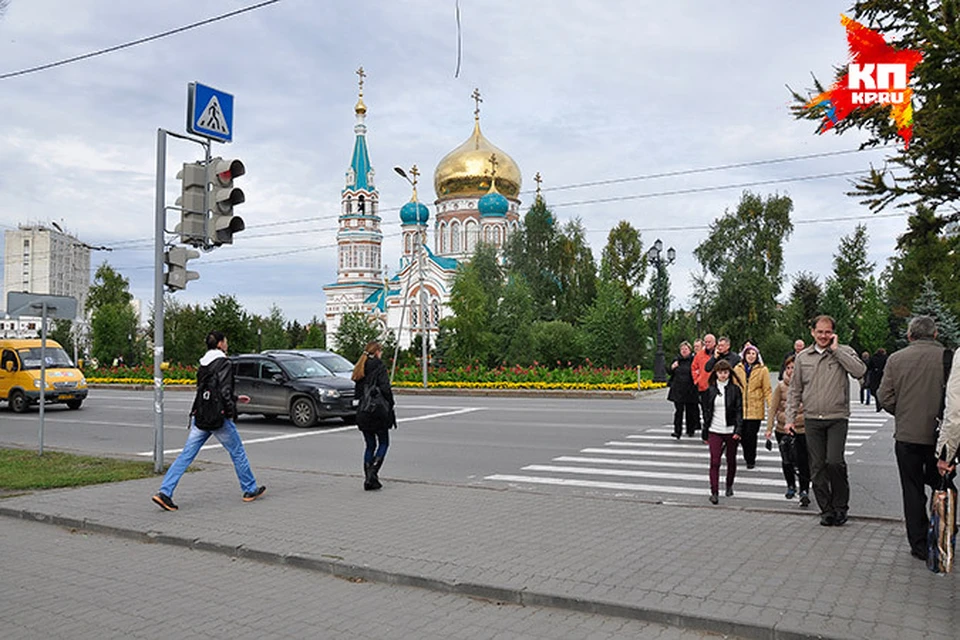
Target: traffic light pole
<point>158,260</point>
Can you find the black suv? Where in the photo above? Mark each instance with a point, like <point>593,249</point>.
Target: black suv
<point>293,385</point>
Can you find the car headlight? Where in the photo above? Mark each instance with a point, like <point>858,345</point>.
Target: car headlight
<point>82,383</point>
<point>36,384</point>
<point>328,394</point>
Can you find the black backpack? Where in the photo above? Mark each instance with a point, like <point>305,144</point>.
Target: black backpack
<point>208,405</point>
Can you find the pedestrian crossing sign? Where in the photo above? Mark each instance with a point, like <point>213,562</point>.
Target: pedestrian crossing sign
<point>209,112</point>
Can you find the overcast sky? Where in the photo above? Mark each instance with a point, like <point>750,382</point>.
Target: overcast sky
<point>580,91</point>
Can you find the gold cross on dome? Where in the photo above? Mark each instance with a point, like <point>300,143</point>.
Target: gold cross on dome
<point>362,75</point>
<point>494,163</point>
<point>538,180</point>
<point>477,99</point>
<point>414,172</point>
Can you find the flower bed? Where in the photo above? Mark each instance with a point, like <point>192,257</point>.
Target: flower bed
<point>537,376</point>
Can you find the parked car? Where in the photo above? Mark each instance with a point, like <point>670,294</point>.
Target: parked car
<point>20,375</point>
<point>292,385</point>
<point>334,362</point>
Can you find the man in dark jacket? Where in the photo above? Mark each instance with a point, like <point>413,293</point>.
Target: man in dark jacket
<point>875,366</point>
<point>722,353</point>
<point>214,376</point>
<point>911,390</point>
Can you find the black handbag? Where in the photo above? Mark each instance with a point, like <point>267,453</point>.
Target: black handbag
<point>373,405</point>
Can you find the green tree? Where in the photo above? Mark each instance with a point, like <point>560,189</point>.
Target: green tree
<point>61,331</point>
<point>928,303</point>
<point>851,267</point>
<point>577,272</point>
<point>513,323</point>
<point>225,314</point>
<point>623,260</point>
<point>803,306</point>
<point>555,342</point>
<point>296,334</point>
<point>873,323</point>
<point>926,171</point>
<point>604,326</point>
<point>474,297</point>
<point>356,330</point>
<point>185,329</point>
<point>109,287</point>
<point>532,253</point>
<point>930,248</point>
<point>743,254</point>
<point>316,335</point>
<point>835,305</point>
<point>273,332</point>
<point>113,321</point>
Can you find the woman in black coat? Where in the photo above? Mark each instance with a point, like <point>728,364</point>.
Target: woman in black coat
<point>684,393</point>
<point>874,373</point>
<point>370,374</point>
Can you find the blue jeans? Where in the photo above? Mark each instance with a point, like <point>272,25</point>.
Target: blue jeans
<point>229,438</point>
<point>374,448</point>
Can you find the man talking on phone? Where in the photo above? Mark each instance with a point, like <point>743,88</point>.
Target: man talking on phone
<point>821,385</point>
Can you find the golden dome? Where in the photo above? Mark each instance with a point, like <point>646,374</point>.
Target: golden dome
<point>467,171</point>
<point>360,109</point>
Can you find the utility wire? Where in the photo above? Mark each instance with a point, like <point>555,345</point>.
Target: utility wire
<point>133,43</point>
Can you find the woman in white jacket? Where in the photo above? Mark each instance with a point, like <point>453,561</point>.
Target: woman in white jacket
<point>950,428</point>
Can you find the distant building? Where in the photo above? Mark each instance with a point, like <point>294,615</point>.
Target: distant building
<point>477,187</point>
<point>40,259</point>
<point>45,260</point>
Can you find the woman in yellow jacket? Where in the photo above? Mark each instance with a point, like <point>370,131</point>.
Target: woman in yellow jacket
<point>754,378</point>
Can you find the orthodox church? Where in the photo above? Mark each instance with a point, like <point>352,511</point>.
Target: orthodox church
<point>477,187</point>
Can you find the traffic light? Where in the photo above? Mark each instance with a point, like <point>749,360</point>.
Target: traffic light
<point>223,197</point>
<point>193,214</point>
<point>177,275</point>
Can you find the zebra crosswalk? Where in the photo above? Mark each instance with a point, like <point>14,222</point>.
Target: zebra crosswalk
<point>652,461</point>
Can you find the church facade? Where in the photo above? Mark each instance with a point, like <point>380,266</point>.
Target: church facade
<point>477,190</point>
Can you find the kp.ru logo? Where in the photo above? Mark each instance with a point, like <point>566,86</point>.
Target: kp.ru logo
<point>877,74</point>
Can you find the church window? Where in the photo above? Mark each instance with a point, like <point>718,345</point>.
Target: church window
<point>486,234</point>
<point>442,238</point>
<point>349,204</point>
<point>455,237</point>
<point>406,243</point>
<point>435,313</point>
<point>472,235</point>
<point>361,204</point>
<point>414,316</point>
<point>496,235</point>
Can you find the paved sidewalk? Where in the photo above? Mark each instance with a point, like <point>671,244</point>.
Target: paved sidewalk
<point>751,574</point>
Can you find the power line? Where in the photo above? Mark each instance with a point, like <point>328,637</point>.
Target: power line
<point>93,54</point>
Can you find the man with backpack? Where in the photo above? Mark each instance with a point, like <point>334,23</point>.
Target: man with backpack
<point>214,411</point>
<point>912,389</point>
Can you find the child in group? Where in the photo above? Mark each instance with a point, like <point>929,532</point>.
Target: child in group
<point>793,460</point>
<point>722,426</point>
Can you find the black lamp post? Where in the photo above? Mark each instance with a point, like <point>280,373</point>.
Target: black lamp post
<point>655,258</point>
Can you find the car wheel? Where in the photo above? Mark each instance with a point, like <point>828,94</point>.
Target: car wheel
<point>270,416</point>
<point>74,404</point>
<point>18,402</point>
<point>303,413</point>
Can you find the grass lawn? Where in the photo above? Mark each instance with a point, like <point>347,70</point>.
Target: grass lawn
<point>24,469</point>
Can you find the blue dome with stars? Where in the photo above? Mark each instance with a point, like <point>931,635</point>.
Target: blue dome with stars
<point>493,204</point>
<point>409,213</point>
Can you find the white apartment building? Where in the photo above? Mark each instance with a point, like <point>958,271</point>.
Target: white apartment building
<point>42,259</point>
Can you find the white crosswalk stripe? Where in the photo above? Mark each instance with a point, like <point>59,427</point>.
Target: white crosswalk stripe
<point>652,461</point>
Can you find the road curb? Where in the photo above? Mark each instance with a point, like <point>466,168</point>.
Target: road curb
<point>351,571</point>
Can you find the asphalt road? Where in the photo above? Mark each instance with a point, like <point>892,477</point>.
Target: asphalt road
<point>606,447</point>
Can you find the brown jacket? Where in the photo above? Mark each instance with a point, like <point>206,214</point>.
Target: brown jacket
<point>911,388</point>
<point>778,411</point>
<point>756,390</point>
<point>820,382</point>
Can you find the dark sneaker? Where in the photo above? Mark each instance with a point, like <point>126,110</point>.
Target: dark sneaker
<point>250,496</point>
<point>840,518</point>
<point>827,520</point>
<point>751,465</point>
<point>791,492</point>
<point>714,499</point>
<point>729,491</point>
<point>921,555</point>
<point>804,499</point>
<point>165,502</point>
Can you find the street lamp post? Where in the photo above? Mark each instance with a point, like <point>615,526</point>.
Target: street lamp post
<point>655,258</point>
<point>421,234</point>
